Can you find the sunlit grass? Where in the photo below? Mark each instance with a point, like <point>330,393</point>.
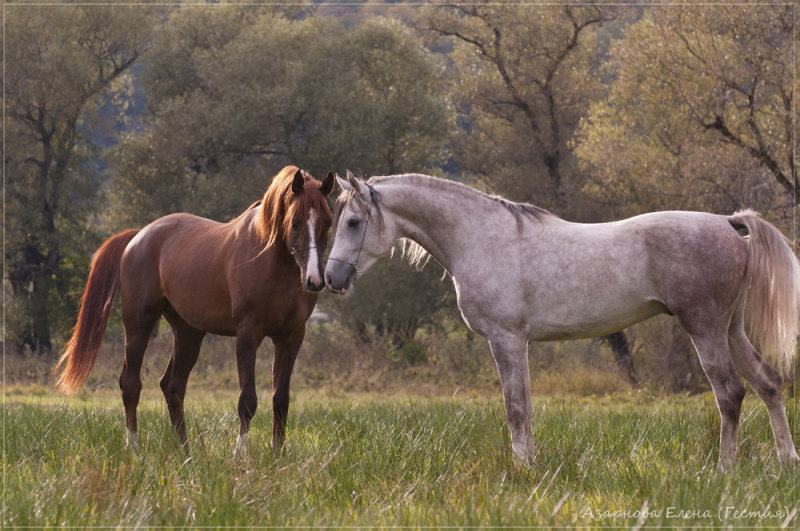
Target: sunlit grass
<point>391,461</point>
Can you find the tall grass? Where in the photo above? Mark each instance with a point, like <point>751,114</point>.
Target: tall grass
<point>392,461</point>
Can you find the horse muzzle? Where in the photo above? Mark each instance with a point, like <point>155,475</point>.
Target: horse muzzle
<point>313,284</point>
<point>339,276</point>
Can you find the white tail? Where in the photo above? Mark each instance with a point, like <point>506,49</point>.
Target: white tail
<point>773,299</point>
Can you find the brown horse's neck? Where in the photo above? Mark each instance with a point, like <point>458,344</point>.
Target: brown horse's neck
<point>278,253</point>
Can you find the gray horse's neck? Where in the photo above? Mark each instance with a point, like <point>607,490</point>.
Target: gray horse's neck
<point>450,220</point>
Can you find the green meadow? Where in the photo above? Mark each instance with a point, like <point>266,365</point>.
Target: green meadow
<point>638,459</point>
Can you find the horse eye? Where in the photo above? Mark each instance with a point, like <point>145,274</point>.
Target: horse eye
<point>296,224</point>
<point>353,223</point>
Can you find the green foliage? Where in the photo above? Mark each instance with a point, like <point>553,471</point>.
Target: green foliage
<point>521,78</point>
<point>385,462</point>
<point>395,300</point>
<point>59,61</point>
<point>409,353</point>
<point>699,115</point>
<point>230,108</point>
<point>406,116</point>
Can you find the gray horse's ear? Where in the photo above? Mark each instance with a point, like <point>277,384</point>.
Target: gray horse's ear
<point>358,185</point>
<point>344,185</point>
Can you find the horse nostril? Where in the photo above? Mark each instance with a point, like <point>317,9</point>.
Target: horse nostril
<point>328,280</point>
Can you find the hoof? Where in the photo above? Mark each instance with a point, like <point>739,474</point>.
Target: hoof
<point>523,455</point>
<point>240,450</point>
<point>724,467</point>
<point>792,461</point>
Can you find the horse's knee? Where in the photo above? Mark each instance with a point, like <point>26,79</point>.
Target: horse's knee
<point>767,381</point>
<point>728,389</point>
<point>515,416</point>
<point>770,390</point>
<point>131,387</point>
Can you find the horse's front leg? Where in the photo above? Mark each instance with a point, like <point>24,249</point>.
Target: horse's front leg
<point>247,342</point>
<point>286,349</point>
<point>510,354</point>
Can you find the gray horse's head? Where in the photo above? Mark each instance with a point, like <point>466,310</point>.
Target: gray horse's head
<point>359,239</point>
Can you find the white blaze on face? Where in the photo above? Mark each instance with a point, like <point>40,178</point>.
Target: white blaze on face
<point>312,266</point>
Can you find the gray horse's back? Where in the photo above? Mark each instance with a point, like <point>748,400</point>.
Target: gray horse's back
<point>585,280</point>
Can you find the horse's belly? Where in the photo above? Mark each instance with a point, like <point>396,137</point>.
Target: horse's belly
<point>590,322</point>
<point>209,315</point>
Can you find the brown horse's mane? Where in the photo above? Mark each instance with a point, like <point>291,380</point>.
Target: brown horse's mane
<point>278,210</point>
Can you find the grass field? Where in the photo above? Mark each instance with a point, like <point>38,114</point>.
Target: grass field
<point>372,460</point>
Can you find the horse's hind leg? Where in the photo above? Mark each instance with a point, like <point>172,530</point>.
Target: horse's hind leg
<point>138,326</point>
<point>715,357</point>
<point>185,350</point>
<point>766,382</point>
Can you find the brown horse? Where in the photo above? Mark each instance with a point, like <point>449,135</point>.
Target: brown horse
<point>253,277</point>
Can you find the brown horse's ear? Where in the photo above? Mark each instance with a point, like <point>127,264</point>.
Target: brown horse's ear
<point>327,184</point>
<point>297,183</point>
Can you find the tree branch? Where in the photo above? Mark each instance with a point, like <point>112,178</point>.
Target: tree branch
<point>791,186</point>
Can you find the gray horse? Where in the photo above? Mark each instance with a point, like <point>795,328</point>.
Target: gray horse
<point>522,274</point>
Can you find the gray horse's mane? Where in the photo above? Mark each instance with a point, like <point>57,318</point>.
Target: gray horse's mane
<point>416,255</point>
<point>518,210</point>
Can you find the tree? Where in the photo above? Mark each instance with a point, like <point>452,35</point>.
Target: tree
<point>59,61</point>
<point>395,300</point>
<point>227,112</point>
<point>228,91</point>
<point>406,114</point>
<point>235,94</point>
<point>521,80</point>
<point>699,117</point>
<point>406,119</point>
<point>700,114</point>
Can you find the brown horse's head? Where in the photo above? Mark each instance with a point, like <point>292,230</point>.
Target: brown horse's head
<point>294,211</point>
